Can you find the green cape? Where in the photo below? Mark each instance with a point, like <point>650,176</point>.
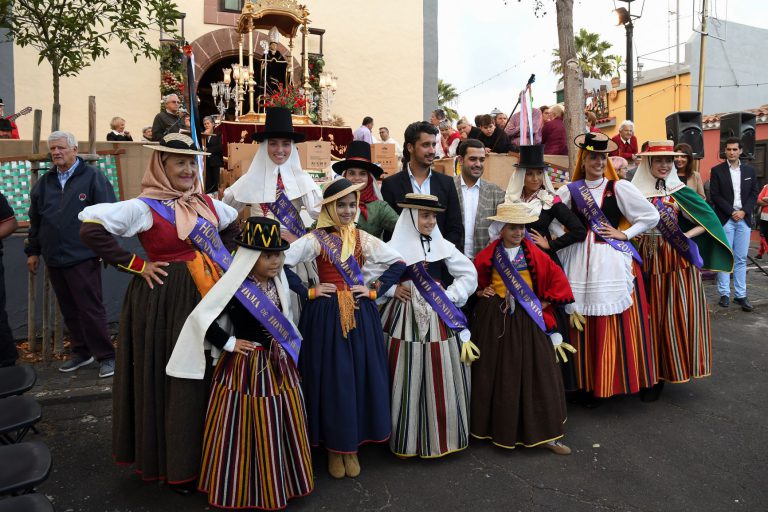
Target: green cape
<point>713,245</point>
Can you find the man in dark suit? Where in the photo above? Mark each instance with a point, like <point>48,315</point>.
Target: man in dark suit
<point>420,141</point>
<point>733,189</point>
<point>478,198</point>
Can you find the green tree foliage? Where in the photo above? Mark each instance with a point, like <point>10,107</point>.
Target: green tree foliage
<point>447,96</point>
<point>591,52</point>
<point>71,34</point>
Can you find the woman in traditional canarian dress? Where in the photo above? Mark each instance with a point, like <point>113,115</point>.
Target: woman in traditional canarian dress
<point>615,353</point>
<point>376,216</point>
<point>688,237</point>
<point>343,361</point>
<point>427,338</point>
<point>157,420</point>
<point>530,184</point>
<point>255,447</point>
<point>517,387</point>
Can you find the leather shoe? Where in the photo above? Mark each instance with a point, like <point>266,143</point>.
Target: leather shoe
<point>725,301</point>
<point>744,303</point>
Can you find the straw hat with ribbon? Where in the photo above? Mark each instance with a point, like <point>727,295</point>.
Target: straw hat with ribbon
<point>648,184</point>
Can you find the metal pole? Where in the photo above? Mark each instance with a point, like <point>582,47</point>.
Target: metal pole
<point>630,78</point>
<point>677,37</point>
<point>702,52</point>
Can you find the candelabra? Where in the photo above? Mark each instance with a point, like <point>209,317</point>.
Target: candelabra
<point>223,94</point>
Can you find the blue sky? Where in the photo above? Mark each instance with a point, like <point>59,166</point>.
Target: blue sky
<point>482,38</point>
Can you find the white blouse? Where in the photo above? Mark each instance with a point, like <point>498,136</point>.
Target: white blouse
<point>602,278</point>
<point>464,278</point>
<point>128,218</point>
<point>378,255</point>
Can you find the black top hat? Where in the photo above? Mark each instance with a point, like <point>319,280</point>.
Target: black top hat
<point>279,125</point>
<point>421,202</point>
<point>262,234</point>
<point>531,157</point>
<point>358,156</point>
<point>596,142</point>
<point>5,125</point>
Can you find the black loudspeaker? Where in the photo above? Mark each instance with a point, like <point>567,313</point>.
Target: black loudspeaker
<point>686,127</point>
<point>742,126</point>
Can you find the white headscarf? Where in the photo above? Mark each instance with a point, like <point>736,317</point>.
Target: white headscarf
<point>187,360</point>
<point>541,200</point>
<point>259,184</point>
<point>647,183</point>
<point>407,240</point>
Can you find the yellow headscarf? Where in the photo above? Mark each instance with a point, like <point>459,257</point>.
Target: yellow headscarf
<point>578,171</point>
<point>329,218</point>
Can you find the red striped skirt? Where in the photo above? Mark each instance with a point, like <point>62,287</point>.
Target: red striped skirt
<point>680,324</point>
<point>255,450</point>
<point>615,354</point>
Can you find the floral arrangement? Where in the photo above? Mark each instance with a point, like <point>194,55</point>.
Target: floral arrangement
<point>289,97</point>
<point>171,70</point>
<point>315,65</point>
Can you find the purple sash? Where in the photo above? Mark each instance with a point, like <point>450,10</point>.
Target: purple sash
<point>286,213</point>
<point>672,233</point>
<point>349,270</point>
<point>587,206</point>
<point>518,287</point>
<point>206,237</point>
<point>435,295</point>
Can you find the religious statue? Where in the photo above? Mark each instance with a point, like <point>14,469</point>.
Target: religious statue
<point>273,65</point>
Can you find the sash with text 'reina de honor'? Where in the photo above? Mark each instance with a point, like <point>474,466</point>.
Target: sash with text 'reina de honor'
<point>582,198</point>
<point>206,237</point>
<point>517,286</point>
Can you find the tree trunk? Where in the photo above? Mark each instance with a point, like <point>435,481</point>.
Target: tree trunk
<point>573,81</point>
<point>56,112</point>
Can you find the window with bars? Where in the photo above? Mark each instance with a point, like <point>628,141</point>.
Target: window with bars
<point>231,5</point>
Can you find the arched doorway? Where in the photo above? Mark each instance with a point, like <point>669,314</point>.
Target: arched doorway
<point>217,50</point>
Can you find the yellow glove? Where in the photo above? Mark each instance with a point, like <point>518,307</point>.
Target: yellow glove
<point>561,349</point>
<point>578,321</point>
<point>469,353</point>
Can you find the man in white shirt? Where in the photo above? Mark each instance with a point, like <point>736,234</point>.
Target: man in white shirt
<point>478,198</point>
<point>365,131</point>
<point>386,139</point>
<point>733,188</point>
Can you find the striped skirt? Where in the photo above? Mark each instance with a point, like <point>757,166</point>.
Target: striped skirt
<point>680,323</point>
<point>615,354</point>
<point>255,449</point>
<point>429,384</point>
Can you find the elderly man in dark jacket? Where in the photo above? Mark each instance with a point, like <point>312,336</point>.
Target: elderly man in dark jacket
<point>54,232</point>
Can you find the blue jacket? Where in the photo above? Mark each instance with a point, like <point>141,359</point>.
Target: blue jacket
<point>54,229</point>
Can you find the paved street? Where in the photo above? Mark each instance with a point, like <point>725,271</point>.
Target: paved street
<point>702,446</point>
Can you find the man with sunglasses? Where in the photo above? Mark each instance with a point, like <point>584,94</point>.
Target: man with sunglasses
<point>169,120</point>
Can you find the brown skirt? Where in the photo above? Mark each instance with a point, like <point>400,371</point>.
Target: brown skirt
<point>517,386</point>
<point>157,422</point>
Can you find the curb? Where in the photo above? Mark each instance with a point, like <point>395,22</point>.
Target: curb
<point>84,394</point>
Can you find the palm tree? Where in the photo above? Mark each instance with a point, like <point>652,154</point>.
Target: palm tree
<point>446,96</point>
<point>590,51</point>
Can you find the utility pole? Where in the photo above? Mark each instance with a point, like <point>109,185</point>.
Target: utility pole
<point>702,52</point>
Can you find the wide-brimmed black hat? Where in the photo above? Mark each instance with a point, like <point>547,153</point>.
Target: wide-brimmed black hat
<point>359,157</point>
<point>595,142</point>
<point>421,202</point>
<point>262,234</point>
<point>278,125</point>
<point>177,143</point>
<point>531,157</point>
